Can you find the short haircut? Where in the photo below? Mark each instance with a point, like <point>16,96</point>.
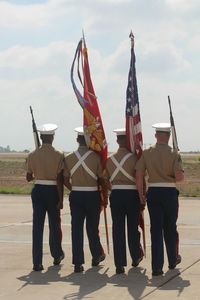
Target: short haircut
<point>46,137</point>
<point>165,132</point>
<point>81,140</point>
<point>121,138</point>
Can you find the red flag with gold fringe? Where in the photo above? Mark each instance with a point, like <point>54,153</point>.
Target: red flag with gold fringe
<point>92,122</point>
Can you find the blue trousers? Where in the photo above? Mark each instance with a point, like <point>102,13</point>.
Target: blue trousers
<point>125,205</point>
<point>163,211</point>
<point>85,205</point>
<point>44,200</point>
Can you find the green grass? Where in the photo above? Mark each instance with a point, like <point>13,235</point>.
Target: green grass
<point>25,190</point>
<point>189,189</point>
<point>13,173</point>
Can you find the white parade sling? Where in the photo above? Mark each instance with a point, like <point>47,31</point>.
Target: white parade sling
<point>119,167</point>
<point>81,162</point>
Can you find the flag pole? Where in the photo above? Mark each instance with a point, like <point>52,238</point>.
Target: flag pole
<point>131,36</point>
<point>102,196</point>
<point>106,229</point>
<point>138,152</point>
<point>91,113</point>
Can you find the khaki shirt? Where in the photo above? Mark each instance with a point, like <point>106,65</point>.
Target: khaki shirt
<point>161,163</point>
<point>81,177</point>
<point>45,163</point>
<point>129,167</point>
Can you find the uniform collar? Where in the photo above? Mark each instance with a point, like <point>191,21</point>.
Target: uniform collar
<point>122,150</point>
<point>161,144</point>
<point>83,148</point>
<point>47,145</point>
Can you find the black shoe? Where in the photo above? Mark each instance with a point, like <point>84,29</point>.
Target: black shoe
<point>38,267</point>
<point>57,261</point>
<point>120,270</point>
<point>178,261</point>
<point>157,272</point>
<point>135,263</point>
<point>95,262</point>
<point>78,268</point>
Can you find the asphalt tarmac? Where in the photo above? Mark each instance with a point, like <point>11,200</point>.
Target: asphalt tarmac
<point>18,281</point>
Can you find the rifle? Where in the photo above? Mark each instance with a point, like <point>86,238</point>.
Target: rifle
<point>174,136</point>
<point>35,133</point>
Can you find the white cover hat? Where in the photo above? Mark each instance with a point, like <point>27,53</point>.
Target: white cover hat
<point>163,127</point>
<point>120,131</point>
<point>79,130</point>
<point>47,128</point>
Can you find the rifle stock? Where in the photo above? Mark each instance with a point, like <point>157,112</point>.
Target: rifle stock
<point>174,136</point>
<point>35,133</point>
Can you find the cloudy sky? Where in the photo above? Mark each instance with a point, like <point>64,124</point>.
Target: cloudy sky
<point>38,41</point>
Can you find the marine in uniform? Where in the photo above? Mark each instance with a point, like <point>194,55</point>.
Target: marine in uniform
<point>124,204</point>
<point>164,168</point>
<point>45,167</point>
<point>83,176</point>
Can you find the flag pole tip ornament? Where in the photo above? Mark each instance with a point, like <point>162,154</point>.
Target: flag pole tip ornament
<point>162,127</point>
<point>79,130</point>
<point>47,129</point>
<point>120,131</point>
<point>131,35</point>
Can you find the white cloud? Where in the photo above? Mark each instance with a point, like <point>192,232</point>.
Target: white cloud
<point>184,5</point>
<point>31,15</point>
<point>12,15</point>
<point>194,43</point>
<point>163,58</point>
<point>50,94</point>
<point>52,101</point>
<point>33,57</point>
<point>37,71</point>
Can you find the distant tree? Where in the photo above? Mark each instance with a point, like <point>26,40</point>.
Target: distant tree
<point>26,151</point>
<point>5,149</point>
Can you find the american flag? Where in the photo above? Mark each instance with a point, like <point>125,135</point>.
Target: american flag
<point>133,121</point>
<point>133,125</point>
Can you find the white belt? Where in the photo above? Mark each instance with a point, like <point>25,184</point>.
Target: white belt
<point>84,188</point>
<point>123,187</point>
<point>46,182</point>
<point>162,184</point>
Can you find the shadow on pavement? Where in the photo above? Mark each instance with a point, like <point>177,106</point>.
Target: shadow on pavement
<point>135,280</point>
<point>171,280</point>
<point>90,281</point>
<point>41,278</point>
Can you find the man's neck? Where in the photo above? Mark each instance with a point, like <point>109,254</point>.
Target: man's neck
<point>162,142</point>
<point>47,143</point>
<point>122,147</point>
